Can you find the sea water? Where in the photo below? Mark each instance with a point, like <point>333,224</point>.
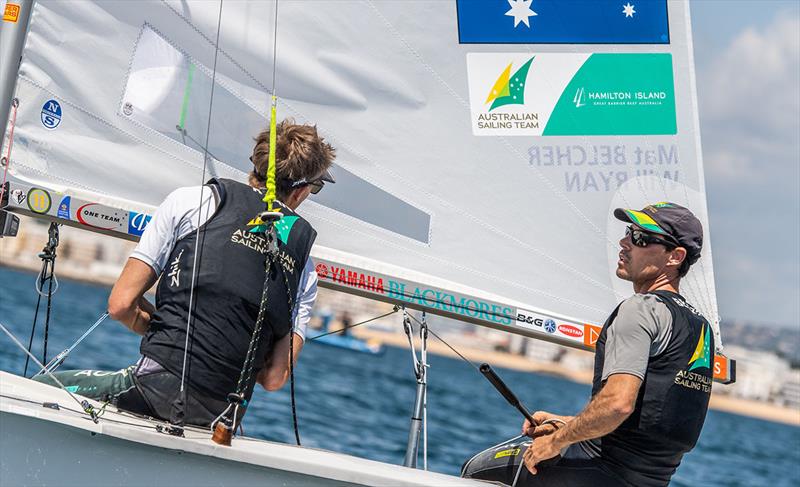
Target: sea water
<point>361,404</point>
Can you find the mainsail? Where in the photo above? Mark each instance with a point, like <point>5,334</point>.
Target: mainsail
<point>477,168</point>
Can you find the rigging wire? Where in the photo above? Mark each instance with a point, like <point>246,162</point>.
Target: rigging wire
<point>269,198</point>
<point>59,359</point>
<point>341,330</point>
<point>465,359</point>
<point>85,405</point>
<point>182,397</point>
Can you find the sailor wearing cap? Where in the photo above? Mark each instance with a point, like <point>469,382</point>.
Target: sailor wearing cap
<point>652,374</point>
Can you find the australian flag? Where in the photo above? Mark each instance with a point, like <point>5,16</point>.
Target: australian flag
<point>563,21</point>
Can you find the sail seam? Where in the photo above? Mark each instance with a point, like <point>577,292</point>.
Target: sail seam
<point>109,124</point>
<point>209,41</point>
<point>167,139</point>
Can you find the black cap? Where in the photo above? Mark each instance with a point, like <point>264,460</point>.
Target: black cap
<point>670,220</point>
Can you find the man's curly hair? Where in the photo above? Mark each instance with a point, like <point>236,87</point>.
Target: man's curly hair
<point>299,153</point>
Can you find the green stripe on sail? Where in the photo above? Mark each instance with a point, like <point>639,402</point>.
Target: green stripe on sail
<point>186,91</point>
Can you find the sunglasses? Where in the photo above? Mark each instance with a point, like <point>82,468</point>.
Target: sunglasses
<point>316,185</point>
<point>641,238</point>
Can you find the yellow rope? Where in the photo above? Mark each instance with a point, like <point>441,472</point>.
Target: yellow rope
<point>269,197</point>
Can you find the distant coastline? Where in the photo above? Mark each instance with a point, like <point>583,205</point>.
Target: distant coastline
<point>719,402</point>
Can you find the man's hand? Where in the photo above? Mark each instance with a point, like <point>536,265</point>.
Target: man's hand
<point>538,429</point>
<point>543,448</point>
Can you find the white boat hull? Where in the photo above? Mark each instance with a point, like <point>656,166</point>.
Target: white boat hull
<point>44,446</point>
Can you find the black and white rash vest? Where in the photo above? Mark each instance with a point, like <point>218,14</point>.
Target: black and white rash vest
<point>230,275</point>
<point>647,447</point>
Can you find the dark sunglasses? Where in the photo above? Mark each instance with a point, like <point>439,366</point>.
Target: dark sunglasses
<point>316,185</point>
<point>643,239</point>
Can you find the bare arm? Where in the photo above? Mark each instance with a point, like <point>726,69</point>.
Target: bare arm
<point>540,429</point>
<point>604,413</point>
<point>127,303</point>
<point>276,369</point>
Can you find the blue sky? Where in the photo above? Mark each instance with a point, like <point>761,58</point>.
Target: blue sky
<point>748,83</point>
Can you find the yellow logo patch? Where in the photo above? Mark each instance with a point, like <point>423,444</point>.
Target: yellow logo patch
<point>11,13</point>
<point>507,453</point>
<point>39,201</point>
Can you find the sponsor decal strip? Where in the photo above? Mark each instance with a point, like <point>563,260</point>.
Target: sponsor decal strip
<point>417,295</point>
<point>69,210</point>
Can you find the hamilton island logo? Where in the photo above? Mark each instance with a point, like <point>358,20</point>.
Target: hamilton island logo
<point>550,326</point>
<point>580,98</point>
<point>509,90</point>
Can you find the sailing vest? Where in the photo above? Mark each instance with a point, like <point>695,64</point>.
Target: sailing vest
<point>230,274</point>
<point>671,407</point>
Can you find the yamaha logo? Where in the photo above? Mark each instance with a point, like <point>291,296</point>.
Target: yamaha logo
<point>322,271</point>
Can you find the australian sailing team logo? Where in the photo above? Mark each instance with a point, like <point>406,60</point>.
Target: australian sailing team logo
<point>700,359</point>
<point>702,352</point>
<point>503,109</point>
<point>509,90</point>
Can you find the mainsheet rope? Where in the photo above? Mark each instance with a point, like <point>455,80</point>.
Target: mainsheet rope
<point>46,275</point>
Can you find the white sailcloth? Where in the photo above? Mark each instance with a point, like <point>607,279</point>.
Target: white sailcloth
<point>443,200</point>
